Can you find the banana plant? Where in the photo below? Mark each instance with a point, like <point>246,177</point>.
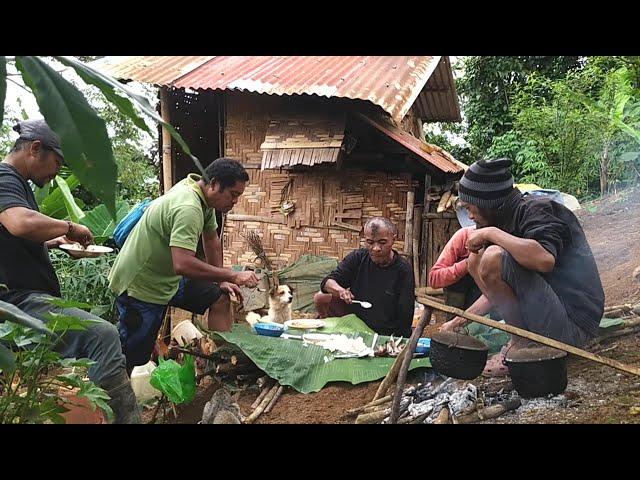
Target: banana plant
<point>83,134</point>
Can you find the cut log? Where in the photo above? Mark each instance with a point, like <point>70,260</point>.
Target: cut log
<point>380,401</point>
<point>489,412</point>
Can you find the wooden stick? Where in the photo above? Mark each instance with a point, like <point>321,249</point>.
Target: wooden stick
<point>531,336</point>
<point>263,394</point>
<point>408,228</point>
<point>625,307</point>
<point>406,361</point>
<point>263,404</point>
<point>391,376</point>
<point>274,400</point>
<point>417,214</point>
<point>374,417</point>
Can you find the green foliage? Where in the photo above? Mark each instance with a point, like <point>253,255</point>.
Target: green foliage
<point>579,133</point>
<point>30,387</point>
<point>82,132</point>
<point>100,222</point>
<point>487,89</point>
<point>86,280</point>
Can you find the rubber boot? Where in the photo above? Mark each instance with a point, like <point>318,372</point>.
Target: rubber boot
<point>123,400</point>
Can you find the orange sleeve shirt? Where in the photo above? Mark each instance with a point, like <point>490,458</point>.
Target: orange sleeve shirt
<point>452,262</point>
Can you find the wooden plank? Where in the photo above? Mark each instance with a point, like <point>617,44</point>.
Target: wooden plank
<point>408,229</point>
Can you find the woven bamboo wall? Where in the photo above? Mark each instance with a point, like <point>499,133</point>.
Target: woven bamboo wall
<point>323,200</point>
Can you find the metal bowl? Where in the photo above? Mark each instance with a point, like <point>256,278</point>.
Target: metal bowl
<point>457,355</point>
<point>537,372</point>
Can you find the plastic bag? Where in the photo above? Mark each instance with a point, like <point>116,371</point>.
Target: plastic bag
<point>177,382</point>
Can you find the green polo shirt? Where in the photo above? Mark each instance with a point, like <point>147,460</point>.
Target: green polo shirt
<point>144,266</point>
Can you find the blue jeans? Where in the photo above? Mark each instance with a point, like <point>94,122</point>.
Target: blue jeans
<point>99,342</point>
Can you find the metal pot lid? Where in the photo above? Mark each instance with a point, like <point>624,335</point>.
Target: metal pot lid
<point>458,340</point>
<point>534,354</point>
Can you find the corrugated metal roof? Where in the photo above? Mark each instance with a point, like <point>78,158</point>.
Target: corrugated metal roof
<point>391,82</point>
<point>430,153</point>
<point>158,70</point>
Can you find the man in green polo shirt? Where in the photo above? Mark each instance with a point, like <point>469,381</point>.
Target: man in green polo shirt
<point>157,265</point>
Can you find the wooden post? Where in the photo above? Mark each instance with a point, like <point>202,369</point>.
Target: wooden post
<point>408,229</point>
<point>417,220</point>
<point>167,162</point>
<point>426,244</point>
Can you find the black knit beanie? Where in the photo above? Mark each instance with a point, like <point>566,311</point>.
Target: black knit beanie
<point>487,183</point>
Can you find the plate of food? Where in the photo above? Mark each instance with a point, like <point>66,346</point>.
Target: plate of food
<point>305,323</point>
<point>92,251</point>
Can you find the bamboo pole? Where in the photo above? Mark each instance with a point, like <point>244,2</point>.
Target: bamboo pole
<point>167,161</point>
<point>531,336</point>
<point>408,228</point>
<point>406,361</point>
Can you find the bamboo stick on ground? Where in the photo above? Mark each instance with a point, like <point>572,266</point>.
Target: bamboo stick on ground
<point>406,361</point>
<point>532,336</point>
<point>263,394</point>
<point>263,404</point>
<point>275,399</point>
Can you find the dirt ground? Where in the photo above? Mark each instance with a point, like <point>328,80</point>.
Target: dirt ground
<point>595,394</point>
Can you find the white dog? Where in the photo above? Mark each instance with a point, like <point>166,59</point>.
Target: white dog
<point>280,298</point>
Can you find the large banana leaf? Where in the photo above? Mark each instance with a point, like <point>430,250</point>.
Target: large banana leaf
<point>73,210</point>
<point>3,85</point>
<point>100,222</point>
<point>307,368</point>
<point>53,205</point>
<point>108,85</point>
<point>83,133</point>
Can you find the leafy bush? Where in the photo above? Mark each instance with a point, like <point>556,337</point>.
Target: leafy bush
<point>86,280</point>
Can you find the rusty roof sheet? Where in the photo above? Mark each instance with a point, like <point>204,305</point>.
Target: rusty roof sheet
<point>432,154</point>
<point>391,82</point>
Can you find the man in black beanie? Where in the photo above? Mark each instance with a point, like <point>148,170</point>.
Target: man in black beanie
<point>531,260</point>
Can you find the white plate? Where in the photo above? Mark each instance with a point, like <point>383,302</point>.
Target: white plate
<point>90,252</point>
<point>305,323</point>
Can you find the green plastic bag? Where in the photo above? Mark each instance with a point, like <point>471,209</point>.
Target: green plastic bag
<point>177,382</point>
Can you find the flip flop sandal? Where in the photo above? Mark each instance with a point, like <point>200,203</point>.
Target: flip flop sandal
<point>496,366</point>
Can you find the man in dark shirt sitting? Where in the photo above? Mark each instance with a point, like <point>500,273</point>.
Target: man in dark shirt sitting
<point>375,274</point>
<point>531,260</point>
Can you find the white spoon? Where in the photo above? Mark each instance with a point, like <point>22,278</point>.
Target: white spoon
<point>363,304</point>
